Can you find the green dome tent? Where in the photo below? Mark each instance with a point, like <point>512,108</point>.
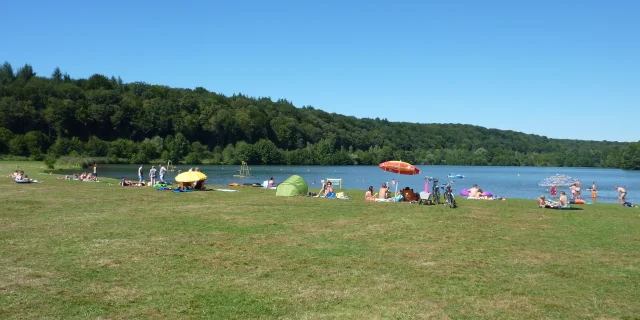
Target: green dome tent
<point>293,186</point>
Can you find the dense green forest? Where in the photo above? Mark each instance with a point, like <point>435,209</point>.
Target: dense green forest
<point>101,117</point>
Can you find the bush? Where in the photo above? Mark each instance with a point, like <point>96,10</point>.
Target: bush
<point>50,160</point>
<point>10,157</point>
<point>193,158</point>
<point>86,162</point>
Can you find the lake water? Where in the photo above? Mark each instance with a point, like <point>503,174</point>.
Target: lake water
<point>509,182</point>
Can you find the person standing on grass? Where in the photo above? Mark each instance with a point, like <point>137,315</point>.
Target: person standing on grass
<point>140,175</point>
<point>163,170</point>
<point>594,191</point>
<point>152,176</point>
<point>95,171</point>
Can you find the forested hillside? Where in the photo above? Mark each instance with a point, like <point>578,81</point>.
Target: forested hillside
<point>137,122</point>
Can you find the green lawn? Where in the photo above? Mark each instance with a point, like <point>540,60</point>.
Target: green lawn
<point>70,249</point>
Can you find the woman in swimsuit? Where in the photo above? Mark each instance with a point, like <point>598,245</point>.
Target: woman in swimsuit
<point>369,195</point>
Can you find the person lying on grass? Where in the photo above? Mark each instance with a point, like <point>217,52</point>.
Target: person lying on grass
<point>126,183</point>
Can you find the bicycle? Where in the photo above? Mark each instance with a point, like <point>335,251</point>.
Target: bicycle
<point>448,195</point>
<point>434,197</point>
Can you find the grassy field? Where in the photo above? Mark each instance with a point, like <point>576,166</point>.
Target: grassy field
<point>97,250</point>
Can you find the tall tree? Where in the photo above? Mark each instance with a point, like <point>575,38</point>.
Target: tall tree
<point>6,74</point>
<point>26,72</point>
<point>56,76</point>
<point>631,156</point>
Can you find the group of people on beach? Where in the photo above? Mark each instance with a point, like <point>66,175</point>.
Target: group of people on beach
<point>563,201</point>
<point>153,177</point>
<point>157,179</point>
<point>20,176</point>
<point>475,192</point>
<point>85,176</point>
<point>575,190</point>
<point>384,193</point>
<point>81,177</point>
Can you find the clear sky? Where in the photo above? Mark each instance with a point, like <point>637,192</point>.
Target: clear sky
<point>563,69</point>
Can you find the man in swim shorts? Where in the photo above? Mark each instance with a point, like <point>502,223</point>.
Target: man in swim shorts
<point>473,192</point>
<point>622,193</point>
<point>152,176</point>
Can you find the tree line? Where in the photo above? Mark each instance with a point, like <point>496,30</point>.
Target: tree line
<point>137,122</point>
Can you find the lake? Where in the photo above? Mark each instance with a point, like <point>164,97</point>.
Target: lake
<point>508,182</point>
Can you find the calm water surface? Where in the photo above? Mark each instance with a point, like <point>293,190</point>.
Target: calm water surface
<point>509,182</point>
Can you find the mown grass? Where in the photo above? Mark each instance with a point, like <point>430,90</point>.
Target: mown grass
<point>96,250</point>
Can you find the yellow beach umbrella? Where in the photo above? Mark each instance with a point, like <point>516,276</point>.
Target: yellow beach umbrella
<point>190,176</point>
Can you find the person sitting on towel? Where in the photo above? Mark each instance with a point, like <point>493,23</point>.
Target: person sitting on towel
<point>542,202</point>
<point>563,201</point>
<point>369,195</point>
<point>383,193</point>
<point>473,192</point>
<point>328,189</point>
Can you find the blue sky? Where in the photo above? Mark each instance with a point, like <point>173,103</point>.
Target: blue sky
<point>567,69</point>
